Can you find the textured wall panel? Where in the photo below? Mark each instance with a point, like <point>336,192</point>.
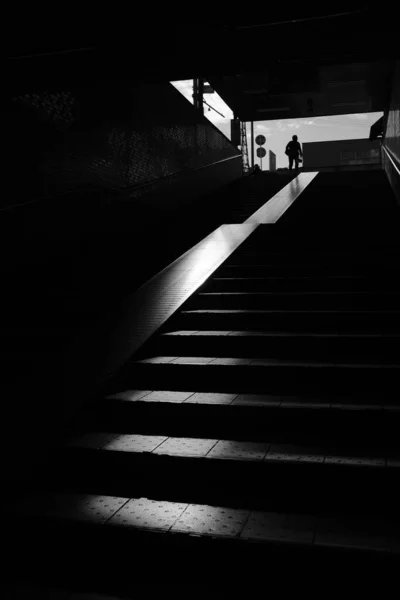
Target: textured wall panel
<point>392,135</point>
<point>110,134</point>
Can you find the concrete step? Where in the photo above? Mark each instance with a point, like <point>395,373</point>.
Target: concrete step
<point>86,530</point>
<point>234,473</point>
<point>260,375</point>
<point>355,348</point>
<point>334,284</point>
<point>332,321</point>
<point>358,257</point>
<point>272,269</point>
<point>280,237</point>
<point>366,419</point>
<point>277,239</point>
<point>308,301</point>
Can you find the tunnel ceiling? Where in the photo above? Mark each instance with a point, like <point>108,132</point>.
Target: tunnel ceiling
<point>295,62</point>
<point>306,89</point>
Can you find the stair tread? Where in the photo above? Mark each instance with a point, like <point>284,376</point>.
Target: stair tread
<point>383,253</point>
<point>279,334</point>
<point>254,361</point>
<point>290,311</point>
<point>290,277</point>
<point>310,293</point>
<point>233,265</point>
<point>157,516</point>
<point>309,402</point>
<point>138,445</point>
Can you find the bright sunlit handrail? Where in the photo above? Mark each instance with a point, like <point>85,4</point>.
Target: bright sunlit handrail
<point>389,155</point>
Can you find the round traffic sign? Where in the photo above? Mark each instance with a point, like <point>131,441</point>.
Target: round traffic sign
<point>261,152</point>
<point>260,140</point>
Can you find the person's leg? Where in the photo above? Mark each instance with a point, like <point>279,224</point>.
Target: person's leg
<point>290,162</point>
<point>296,160</point>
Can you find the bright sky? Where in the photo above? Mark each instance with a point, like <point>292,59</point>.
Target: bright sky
<point>278,133</point>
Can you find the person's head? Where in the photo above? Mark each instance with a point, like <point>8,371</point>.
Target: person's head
<point>294,138</point>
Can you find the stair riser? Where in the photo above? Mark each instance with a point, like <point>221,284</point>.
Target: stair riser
<point>293,243</point>
<point>86,560</point>
<point>286,322</point>
<point>296,301</point>
<point>303,270</point>
<point>300,285</point>
<point>273,425</point>
<point>321,259</point>
<point>292,487</point>
<point>372,350</point>
<point>260,379</point>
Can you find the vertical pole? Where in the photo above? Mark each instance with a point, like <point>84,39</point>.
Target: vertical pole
<point>252,145</point>
<point>198,91</point>
<point>200,94</point>
<point>261,161</point>
<point>195,92</point>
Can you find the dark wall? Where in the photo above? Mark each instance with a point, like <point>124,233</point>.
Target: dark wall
<point>392,135</point>
<point>107,182</point>
<point>111,134</point>
<point>342,153</point>
<point>96,156</point>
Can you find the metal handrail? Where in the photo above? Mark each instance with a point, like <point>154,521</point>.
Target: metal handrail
<point>118,190</point>
<point>153,181</point>
<point>389,155</point>
<point>51,53</point>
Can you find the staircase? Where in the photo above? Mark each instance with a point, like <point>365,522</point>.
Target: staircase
<point>256,433</point>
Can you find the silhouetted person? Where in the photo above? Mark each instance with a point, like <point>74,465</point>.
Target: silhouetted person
<point>294,151</point>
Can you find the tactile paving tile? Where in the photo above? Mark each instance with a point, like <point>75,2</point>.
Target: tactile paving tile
<point>185,446</point>
<point>211,520</point>
<point>158,360</point>
<point>274,362</point>
<point>356,461</point>
<point>239,450</point>
<point>231,361</point>
<point>280,452</point>
<point>79,507</point>
<point>95,440</point>
<point>305,404</point>
<point>274,526</point>
<point>183,332</point>
<point>248,333</point>
<point>212,333</point>
<point>135,443</point>
<point>357,407</point>
<point>168,396</point>
<point>256,400</point>
<point>129,395</point>
<point>148,514</point>
<point>210,398</point>
<point>358,533</point>
<point>199,360</point>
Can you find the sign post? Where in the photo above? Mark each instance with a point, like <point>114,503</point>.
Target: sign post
<point>252,145</point>
<point>261,152</point>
